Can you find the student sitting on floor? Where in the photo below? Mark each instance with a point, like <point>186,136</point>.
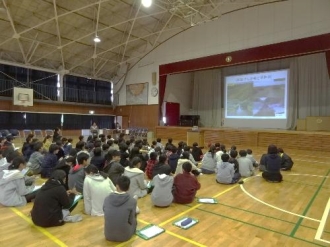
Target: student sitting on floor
<point>272,163</point>
<point>13,191</point>
<point>161,195</point>
<point>49,162</point>
<point>53,204</point>
<point>150,164</point>
<point>112,166</point>
<point>287,162</point>
<point>250,156</point>
<point>161,167</point>
<point>183,159</point>
<point>173,159</point>
<point>226,171</point>
<point>36,158</point>
<point>97,186</point>
<point>77,174</point>
<point>120,213</point>
<point>138,184</point>
<point>209,162</point>
<point>245,165</point>
<point>197,152</point>
<point>185,185</point>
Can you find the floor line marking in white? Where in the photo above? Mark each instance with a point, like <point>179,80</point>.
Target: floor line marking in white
<point>322,223</point>
<point>277,208</point>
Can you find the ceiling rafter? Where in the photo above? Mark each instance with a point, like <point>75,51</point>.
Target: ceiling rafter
<point>117,46</point>
<point>16,35</point>
<point>100,30</point>
<point>130,31</point>
<point>59,35</point>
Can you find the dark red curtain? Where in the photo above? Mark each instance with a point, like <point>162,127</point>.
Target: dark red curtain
<point>327,54</point>
<point>172,113</point>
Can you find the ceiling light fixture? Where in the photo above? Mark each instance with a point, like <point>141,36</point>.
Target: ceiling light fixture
<point>97,39</point>
<point>146,3</point>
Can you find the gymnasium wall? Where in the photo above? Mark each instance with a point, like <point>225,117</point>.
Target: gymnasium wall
<point>251,27</point>
<point>56,107</point>
<point>142,116</point>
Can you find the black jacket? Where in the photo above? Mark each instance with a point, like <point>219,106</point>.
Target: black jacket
<point>197,153</point>
<point>48,204</point>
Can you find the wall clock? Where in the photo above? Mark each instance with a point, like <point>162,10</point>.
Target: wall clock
<point>154,91</point>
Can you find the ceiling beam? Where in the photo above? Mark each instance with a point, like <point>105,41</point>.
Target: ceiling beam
<point>16,35</point>
<point>59,35</point>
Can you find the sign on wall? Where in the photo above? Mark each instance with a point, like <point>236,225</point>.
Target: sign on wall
<point>137,94</point>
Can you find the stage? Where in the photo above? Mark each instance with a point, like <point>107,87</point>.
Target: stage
<point>287,139</point>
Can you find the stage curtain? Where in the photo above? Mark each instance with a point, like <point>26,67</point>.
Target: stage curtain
<point>314,86</point>
<point>207,97</point>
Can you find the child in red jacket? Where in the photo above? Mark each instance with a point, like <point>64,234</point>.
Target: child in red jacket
<point>186,185</point>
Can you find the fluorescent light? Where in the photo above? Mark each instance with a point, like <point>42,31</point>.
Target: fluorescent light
<point>97,39</point>
<point>146,3</point>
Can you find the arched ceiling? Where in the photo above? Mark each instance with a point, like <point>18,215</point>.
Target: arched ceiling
<point>57,35</point>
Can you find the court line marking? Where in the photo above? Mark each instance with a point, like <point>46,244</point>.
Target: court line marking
<point>40,229</point>
<point>194,207</point>
<point>277,208</point>
<point>177,236</point>
<point>311,175</point>
<point>295,229</point>
<point>320,229</point>
<point>260,227</point>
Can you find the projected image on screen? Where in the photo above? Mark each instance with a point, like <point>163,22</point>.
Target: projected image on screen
<point>261,95</point>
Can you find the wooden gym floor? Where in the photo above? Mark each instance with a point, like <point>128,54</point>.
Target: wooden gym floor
<point>257,213</point>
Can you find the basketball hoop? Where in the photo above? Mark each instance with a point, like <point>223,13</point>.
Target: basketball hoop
<point>23,103</point>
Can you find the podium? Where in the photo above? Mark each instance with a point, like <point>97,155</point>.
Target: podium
<point>195,136</point>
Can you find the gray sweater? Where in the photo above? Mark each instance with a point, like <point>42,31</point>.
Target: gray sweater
<point>209,163</point>
<point>13,189</point>
<point>162,193</point>
<point>138,186</point>
<point>225,172</point>
<point>119,217</point>
<point>35,161</point>
<point>245,167</point>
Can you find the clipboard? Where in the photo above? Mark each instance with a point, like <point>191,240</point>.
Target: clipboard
<point>149,231</point>
<point>207,200</point>
<point>178,223</point>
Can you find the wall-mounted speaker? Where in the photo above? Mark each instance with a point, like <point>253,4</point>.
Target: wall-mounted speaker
<point>154,78</point>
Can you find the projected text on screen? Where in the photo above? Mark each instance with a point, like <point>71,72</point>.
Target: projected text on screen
<point>258,95</point>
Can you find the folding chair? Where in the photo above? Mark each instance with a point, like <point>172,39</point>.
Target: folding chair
<point>38,134</point>
<point>26,132</point>
<point>49,132</point>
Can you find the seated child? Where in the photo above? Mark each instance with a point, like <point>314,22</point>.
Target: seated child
<point>250,156</point>
<point>245,165</point>
<point>226,172</point>
<point>183,159</point>
<point>150,164</point>
<point>161,195</point>
<point>209,162</point>
<point>120,213</point>
<point>197,152</point>
<point>272,163</point>
<point>97,186</point>
<point>13,191</point>
<point>287,162</point>
<point>77,173</point>
<point>53,204</point>
<point>138,185</point>
<point>185,185</point>
<point>112,165</point>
